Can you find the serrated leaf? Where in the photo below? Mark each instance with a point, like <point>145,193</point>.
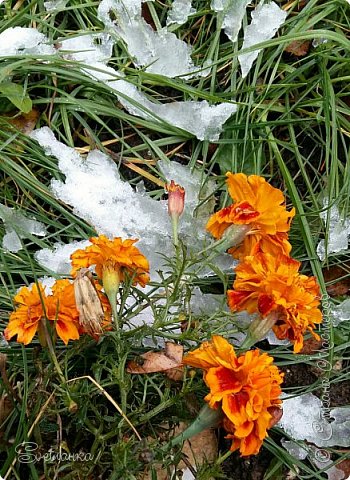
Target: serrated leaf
<point>15,94</point>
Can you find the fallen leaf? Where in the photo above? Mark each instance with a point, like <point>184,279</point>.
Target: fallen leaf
<point>338,276</point>
<point>299,48</point>
<point>277,414</point>
<point>197,450</point>
<point>311,345</point>
<point>25,122</point>
<point>168,361</point>
<point>344,466</point>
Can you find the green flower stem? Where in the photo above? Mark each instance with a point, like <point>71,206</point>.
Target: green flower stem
<point>112,298</point>
<point>72,404</point>
<point>175,225</point>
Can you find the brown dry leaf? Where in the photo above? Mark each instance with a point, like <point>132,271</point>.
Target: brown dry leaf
<point>277,414</point>
<point>25,122</point>
<point>88,303</point>
<point>200,448</point>
<point>168,361</point>
<point>335,272</point>
<point>344,466</point>
<point>299,48</point>
<point>311,345</point>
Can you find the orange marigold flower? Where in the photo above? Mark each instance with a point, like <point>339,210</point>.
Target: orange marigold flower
<point>34,305</point>
<point>261,207</point>
<point>246,387</point>
<point>24,321</point>
<point>266,283</point>
<point>112,256</point>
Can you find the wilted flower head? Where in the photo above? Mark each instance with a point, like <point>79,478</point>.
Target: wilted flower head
<point>268,284</point>
<point>176,199</point>
<point>261,207</point>
<point>247,388</point>
<point>93,307</point>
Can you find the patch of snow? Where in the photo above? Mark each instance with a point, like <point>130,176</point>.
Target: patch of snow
<point>187,474</point>
<point>18,226</point>
<point>57,258</point>
<point>47,283</point>
<point>233,12</point>
<point>89,48</point>
<point>297,451</point>
<point>24,41</point>
<point>320,458</point>
<point>266,20</point>
<point>304,419</point>
<point>115,209</point>
<point>341,313</point>
<point>273,340</point>
<point>180,11</point>
<point>197,117</point>
<point>338,232</point>
<point>160,51</point>
<point>55,5</point>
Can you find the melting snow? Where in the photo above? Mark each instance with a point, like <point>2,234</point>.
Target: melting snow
<point>115,209</point>
<point>160,51</point>
<point>303,419</point>
<point>338,232</point>
<point>180,11</point>
<point>55,5</point>
<point>341,313</point>
<point>233,12</point>
<point>266,20</point>
<point>24,41</point>
<point>18,226</point>
<point>57,258</point>
<point>94,50</point>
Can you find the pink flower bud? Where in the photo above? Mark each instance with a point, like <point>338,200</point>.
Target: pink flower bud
<point>176,199</point>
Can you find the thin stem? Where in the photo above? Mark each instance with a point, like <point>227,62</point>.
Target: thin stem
<point>72,404</point>
<point>112,297</point>
<point>175,224</point>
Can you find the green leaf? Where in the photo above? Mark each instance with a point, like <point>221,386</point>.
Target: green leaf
<point>16,95</point>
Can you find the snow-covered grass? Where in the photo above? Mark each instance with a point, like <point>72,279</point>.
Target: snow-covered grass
<point>117,106</point>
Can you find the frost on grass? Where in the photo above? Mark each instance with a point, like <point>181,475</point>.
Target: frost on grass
<point>180,11</point>
<point>303,419</point>
<point>57,258</point>
<point>24,41</point>
<point>266,20</point>
<point>160,51</point>
<point>338,231</point>
<point>233,12</point>
<point>18,226</point>
<point>114,209</point>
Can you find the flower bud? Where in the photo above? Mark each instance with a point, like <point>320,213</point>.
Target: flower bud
<point>110,280</point>
<point>176,199</point>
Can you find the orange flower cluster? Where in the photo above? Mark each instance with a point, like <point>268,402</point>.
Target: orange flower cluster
<point>267,279</point>
<point>113,259</point>
<point>247,388</point>
<point>34,306</point>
